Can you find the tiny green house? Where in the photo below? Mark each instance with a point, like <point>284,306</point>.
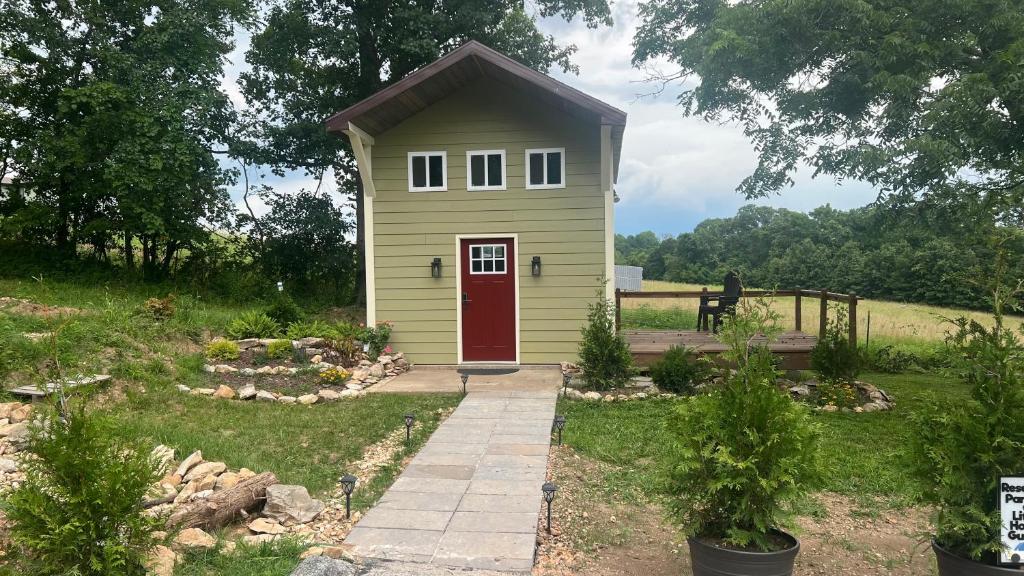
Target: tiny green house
<point>488,194</point>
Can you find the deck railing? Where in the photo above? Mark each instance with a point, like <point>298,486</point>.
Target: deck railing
<point>798,294</point>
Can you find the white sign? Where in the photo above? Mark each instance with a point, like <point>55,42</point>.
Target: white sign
<point>1011,508</point>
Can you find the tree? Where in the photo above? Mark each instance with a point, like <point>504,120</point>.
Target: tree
<point>315,58</point>
<point>114,112</point>
<point>921,98</point>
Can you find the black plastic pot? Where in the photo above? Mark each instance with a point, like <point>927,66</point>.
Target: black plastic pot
<point>953,565</point>
<point>708,560</point>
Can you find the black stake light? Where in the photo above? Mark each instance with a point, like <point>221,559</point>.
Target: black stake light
<point>549,490</point>
<point>566,379</point>
<point>465,378</point>
<point>559,425</point>
<point>409,419</point>
<point>348,484</point>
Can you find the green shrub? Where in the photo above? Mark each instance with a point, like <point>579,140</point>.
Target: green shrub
<point>79,510</point>
<point>377,339</point>
<point>680,371</point>
<point>745,451</point>
<point>604,353</point>
<point>222,350</point>
<point>311,329</point>
<point>832,357</point>
<point>962,449</point>
<point>253,324</point>
<point>284,310</point>
<point>279,349</point>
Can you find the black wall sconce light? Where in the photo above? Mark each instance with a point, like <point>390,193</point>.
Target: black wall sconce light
<point>435,268</point>
<point>535,266</point>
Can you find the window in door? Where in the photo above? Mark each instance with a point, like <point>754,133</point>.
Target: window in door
<point>487,259</point>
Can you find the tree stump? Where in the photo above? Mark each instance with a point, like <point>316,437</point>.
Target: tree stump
<point>222,507</point>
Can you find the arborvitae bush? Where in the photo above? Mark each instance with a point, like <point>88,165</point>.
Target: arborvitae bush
<point>745,451</point>
<point>79,510</point>
<point>963,448</point>
<point>284,310</point>
<point>833,358</point>
<point>604,354</point>
<point>680,371</point>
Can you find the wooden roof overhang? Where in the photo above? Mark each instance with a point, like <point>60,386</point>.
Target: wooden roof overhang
<point>472,61</point>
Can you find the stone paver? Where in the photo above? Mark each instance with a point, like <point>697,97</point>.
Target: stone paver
<point>471,497</point>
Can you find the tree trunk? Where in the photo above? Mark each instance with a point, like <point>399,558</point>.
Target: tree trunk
<point>223,507</point>
<point>129,251</point>
<point>172,249</point>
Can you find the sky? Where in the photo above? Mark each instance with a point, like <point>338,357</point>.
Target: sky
<point>675,171</point>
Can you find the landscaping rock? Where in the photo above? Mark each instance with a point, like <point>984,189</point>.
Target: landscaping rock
<point>257,539</point>
<point>225,392</point>
<point>247,343</point>
<point>353,386</point>
<point>193,460</point>
<point>21,414</point>
<point>209,368</point>
<point>287,399</point>
<point>264,370</point>
<point>309,342</point>
<point>316,359</point>
<point>224,369</point>
<point>183,388</point>
<point>7,465</point>
<point>203,391</point>
<point>266,396</point>
<point>264,526</point>
<point>161,561</point>
<point>205,469</point>
<point>800,390</point>
<point>328,395</point>
<point>247,371</point>
<point>376,371</point>
<point>592,396</point>
<point>307,399</point>
<point>195,538</point>
<point>227,480</point>
<point>247,392</point>
<point>291,505</point>
<point>324,566</point>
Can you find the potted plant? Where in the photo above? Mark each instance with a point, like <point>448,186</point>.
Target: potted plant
<point>963,448</point>
<point>744,451</point>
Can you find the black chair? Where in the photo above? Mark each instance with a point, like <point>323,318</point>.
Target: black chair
<point>715,306</point>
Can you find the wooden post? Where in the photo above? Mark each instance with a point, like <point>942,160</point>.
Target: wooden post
<point>823,318</point>
<point>853,321</point>
<point>618,309</point>
<point>799,315</point>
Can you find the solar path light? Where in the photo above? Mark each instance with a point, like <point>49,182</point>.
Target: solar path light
<point>559,424</point>
<point>409,419</point>
<point>549,490</point>
<point>348,484</point>
<point>465,378</point>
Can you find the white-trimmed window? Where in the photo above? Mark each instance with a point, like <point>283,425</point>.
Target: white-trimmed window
<point>545,168</point>
<point>487,258</point>
<point>485,170</point>
<point>428,171</point>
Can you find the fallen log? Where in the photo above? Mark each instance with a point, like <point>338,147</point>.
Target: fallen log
<point>147,504</point>
<point>224,506</point>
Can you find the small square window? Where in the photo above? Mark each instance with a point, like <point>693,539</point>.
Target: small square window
<point>428,171</point>
<point>487,259</point>
<point>545,168</point>
<point>485,170</point>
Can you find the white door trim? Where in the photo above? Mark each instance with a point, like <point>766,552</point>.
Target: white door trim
<point>458,291</point>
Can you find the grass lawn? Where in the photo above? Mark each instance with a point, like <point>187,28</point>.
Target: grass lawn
<point>864,453</point>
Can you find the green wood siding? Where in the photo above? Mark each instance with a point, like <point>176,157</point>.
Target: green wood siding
<point>564,226</point>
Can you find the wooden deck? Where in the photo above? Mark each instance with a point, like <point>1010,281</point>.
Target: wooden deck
<point>650,345</point>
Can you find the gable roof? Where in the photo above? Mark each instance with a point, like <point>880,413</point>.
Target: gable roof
<point>467,63</point>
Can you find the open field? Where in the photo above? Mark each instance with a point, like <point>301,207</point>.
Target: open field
<point>890,321</point>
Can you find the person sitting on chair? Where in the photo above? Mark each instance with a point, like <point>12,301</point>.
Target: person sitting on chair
<point>723,304</point>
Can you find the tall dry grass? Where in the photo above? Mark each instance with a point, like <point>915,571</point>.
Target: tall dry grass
<point>889,320</point>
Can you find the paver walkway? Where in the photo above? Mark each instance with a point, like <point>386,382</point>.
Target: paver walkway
<point>472,496</point>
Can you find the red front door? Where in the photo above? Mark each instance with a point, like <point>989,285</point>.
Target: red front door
<point>488,300</point>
